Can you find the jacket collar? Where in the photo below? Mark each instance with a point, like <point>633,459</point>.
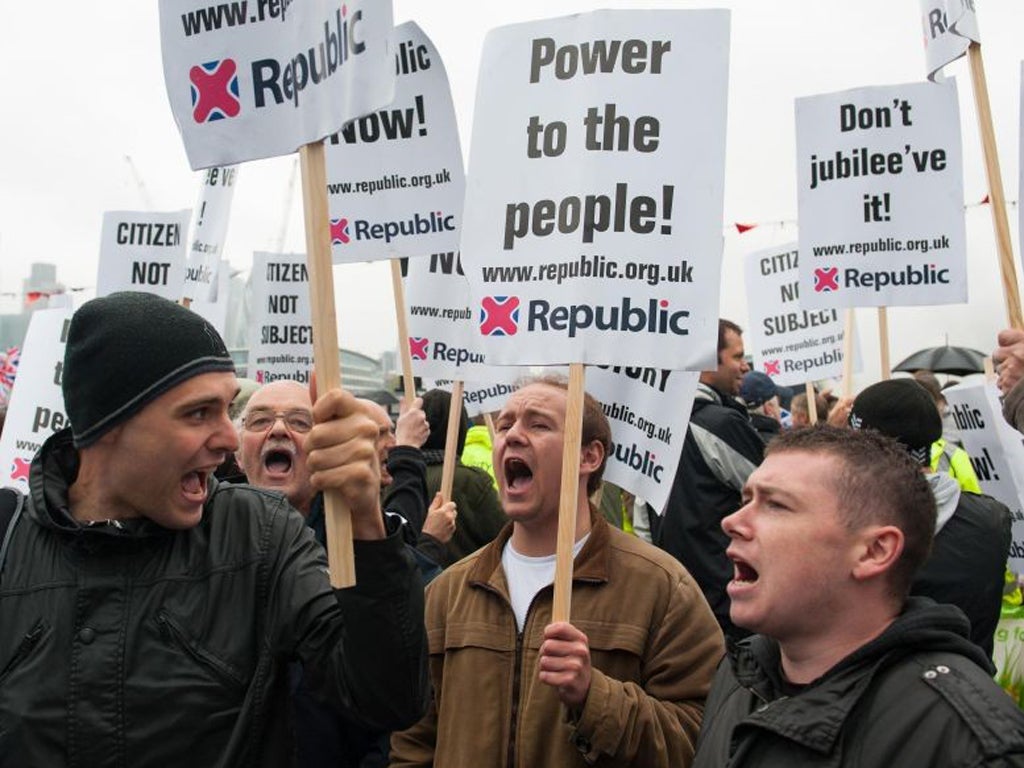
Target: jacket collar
<point>816,716</point>
<point>592,564</point>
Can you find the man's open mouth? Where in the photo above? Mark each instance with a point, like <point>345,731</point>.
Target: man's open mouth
<point>277,461</point>
<point>194,484</point>
<point>742,572</point>
<point>517,472</point>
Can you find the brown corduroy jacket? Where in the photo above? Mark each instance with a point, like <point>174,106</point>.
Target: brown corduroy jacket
<point>654,646</point>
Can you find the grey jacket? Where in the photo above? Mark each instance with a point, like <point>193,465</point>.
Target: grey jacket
<point>127,644</point>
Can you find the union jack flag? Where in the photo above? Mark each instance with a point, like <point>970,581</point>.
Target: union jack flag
<point>8,370</point>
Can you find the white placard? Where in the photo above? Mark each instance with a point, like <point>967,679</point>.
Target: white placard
<point>260,79</point>
<point>216,312</point>
<point>36,407</point>
<point>648,409</point>
<point>790,344</point>
<point>143,251</point>
<point>996,451</point>
<point>443,342</point>
<point>395,179</point>
<point>210,225</point>
<point>949,26</point>
<point>880,197</point>
<point>280,319</point>
<point>592,227</point>
<point>485,397</point>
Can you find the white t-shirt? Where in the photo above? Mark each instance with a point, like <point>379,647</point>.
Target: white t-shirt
<point>529,575</point>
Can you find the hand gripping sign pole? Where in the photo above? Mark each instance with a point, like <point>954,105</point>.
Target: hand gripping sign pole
<point>568,499</point>
<point>340,554</point>
<point>995,186</point>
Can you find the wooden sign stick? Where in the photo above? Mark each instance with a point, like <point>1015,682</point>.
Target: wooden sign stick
<point>995,187</point>
<point>451,440</point>
<point>489,421</point>
<point>340,555</point>
<point>848,353</point>
<point>569,497</point>
<point>812,403</point>
<point>398,288</point>
<point>883,343</point>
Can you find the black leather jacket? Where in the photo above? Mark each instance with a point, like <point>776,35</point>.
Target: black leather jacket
<point>917,695</point>
<point>127,644</point>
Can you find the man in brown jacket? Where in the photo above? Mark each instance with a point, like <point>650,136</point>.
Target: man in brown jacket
<point>623,684</point>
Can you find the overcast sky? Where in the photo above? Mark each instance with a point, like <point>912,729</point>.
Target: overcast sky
<point>87,128</point>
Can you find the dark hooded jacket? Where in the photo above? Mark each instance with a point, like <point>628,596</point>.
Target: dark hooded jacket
<point>125,643</point>
<point>919,694</point>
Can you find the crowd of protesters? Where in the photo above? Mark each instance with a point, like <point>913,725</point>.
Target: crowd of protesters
<point>814,595</point>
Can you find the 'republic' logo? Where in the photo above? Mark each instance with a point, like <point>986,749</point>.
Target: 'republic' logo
<point>418,347</point>
<point>826,279</point>
<point>19,469</point>
<point>499,315</point>
<point>771,368</point>
<point>214,91</point>
<point>339,232</point>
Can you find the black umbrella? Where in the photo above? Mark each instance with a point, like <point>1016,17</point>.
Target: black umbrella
<point>956,361</point>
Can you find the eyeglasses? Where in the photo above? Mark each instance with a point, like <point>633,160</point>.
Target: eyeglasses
<point>261,421</point>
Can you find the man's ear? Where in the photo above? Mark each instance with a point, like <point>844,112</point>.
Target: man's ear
<point>880,547</point>
<point>591,457</point>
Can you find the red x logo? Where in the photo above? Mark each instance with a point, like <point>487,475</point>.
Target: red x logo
<point>214,91</point>
<point>499,315</point>
<point>339,232</point>
<point>19,469</point>
<point>418,347</point>
<point>826,279</point>
<point>771,367</point>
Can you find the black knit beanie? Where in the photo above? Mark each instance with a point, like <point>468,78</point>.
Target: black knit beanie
<point>126,349</point>
<point>436,404</point>
<point>903,409</point>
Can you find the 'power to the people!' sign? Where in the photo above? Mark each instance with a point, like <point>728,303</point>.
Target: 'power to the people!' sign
<point>592,222</point>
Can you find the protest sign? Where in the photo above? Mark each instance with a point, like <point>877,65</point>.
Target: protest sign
<point>141,251</point>
<point>395,176</point>
<point>280,330</point>
<point>260,80</point>
<point>880,197</point>
<point>36,407</point>
<point>592,225</point>
<point>216,312</point>
<point>442,336</point>
<point>8,371</point>
<point>996,452</point>
<point>648,410</point>
<point>210,226</point>
<point>790,344</point>
<point>481,397</point>
<point>949,26</point>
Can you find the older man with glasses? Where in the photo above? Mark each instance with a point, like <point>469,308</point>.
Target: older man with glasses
<point>271,441</point>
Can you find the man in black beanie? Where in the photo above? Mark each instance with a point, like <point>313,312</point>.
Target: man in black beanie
<point>148,614</point>
<point>972,531</point>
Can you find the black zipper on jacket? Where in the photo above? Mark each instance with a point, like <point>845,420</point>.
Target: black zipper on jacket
<point>28,642</point>
<point>170,629</point>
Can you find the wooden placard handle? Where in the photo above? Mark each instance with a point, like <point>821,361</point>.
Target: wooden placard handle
<point>340,554</point>
<point>569,496</point>
<point>451,441</point>
<point>883,343</point>
<point>997,200</point>
<point>812,402</point>
<point>398,288</point>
